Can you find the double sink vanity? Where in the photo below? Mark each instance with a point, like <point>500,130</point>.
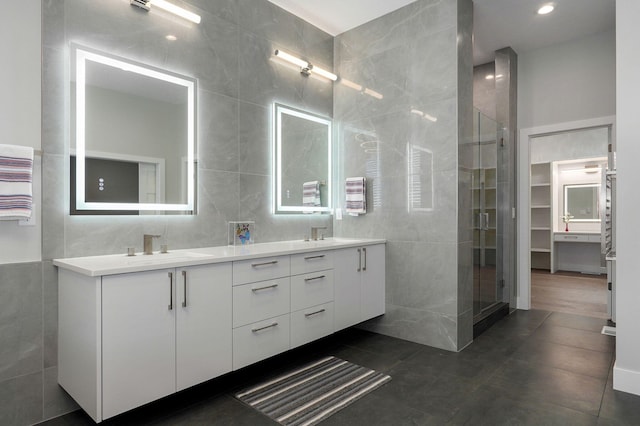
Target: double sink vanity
<point>136,329</point>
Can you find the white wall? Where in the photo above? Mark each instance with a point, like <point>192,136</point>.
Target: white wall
<point>570,145</point>
<point>20,113</point>
<point>627,368</point>
<point>567,82</point>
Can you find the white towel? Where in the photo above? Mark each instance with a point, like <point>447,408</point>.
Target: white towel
<point>356,191</point>
<point>16,172</point>
<point>311,194</point>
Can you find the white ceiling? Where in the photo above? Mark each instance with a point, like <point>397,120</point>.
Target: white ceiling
<point>338,16</point>
<point>497,23</point>
<point>515,23</point>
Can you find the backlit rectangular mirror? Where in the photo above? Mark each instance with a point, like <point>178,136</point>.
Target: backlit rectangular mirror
<point>302,161</point>
<point>582,202</point>
<point>133,137</point>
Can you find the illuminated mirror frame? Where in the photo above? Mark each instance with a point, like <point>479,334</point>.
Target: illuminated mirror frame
<point>278,111</point>
<point>595,186</point>
<point>82,55</point>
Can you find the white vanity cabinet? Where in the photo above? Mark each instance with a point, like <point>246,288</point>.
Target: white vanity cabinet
<point>261,305</point>
<point>136,316</point>
<point>156,332</point>
<point>133,330</point>
<point>359,284</point>
<point>312,297</point>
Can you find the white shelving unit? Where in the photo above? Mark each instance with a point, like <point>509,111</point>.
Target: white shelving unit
<point>541,225</point>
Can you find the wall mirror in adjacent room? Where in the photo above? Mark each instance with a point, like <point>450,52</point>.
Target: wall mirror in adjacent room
<point>132,137</point>
<point>301,161</point>
<point>582,202</point>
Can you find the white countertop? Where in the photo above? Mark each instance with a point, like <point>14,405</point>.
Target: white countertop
<point>94,266</point>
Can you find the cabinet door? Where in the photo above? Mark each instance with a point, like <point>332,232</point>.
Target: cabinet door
<point>203,331</point>
<point>373,281</point>
<point>346,277</point>
<point>138,339</point>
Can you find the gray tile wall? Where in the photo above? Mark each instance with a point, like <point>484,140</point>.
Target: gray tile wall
<point>411,57</point>
<point>465,165</point>
<point>484,91</point>
<point>229,53</point>
<point>506,94</point>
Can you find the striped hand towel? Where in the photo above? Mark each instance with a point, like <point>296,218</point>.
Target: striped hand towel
<point>356,190</point>
<point>16,171</point>
<point>311,194</point>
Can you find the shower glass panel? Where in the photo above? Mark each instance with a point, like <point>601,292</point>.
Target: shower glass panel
<point>487,248</point>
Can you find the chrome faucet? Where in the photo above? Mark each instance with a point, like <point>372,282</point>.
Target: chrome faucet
<point>148,243</point>
<point>314,232</point>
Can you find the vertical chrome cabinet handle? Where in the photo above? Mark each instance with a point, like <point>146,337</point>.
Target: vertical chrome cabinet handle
<point>184,280</point>
<point>170,290</point>
<point>364,251</point>
<point>359,260</point>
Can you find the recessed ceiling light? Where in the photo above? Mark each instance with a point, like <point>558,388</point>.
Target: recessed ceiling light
<point>489,76</point>
<point>546,8</point>
<point>171,37</point>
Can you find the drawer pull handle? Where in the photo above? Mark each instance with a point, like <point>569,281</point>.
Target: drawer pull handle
<point>314,257</point>
<point>255,265</point>
<point>264,288</point>
<point>570,237</point>
<point>310,314</point>
<point>255,330</point>
<point>314,278</point>
<point>364,251</point>
<point>170,291</point>
<point>184,278</point>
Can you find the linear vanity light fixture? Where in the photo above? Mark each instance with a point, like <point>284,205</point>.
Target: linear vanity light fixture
<point>169,7</point>
<point>305,67</point>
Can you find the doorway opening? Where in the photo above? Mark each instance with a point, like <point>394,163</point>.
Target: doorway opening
<point>562,266</point>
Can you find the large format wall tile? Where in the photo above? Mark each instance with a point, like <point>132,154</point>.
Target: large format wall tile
<point>407,141</point>
<point>230,55</point>
<point>20,319</point>
<point>218,132</point>
<point>21,400</point>
<point>56,401</point>
<point>50,313</point>
<point>255,145</point>
<point>420,326</point>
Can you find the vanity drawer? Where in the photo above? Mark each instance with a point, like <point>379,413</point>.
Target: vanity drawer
<point>594,238</point>
<point>311,262</point>
<point>262,269</point>
<point>257,301</point>
<point>260,340</point>
<point>311,289</point>
<point>576,238</point>
<point>311,324</point>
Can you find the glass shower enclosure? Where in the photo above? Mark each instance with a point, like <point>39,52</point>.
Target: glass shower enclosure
<point>489,290</point>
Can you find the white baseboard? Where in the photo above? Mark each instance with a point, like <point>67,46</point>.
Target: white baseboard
<point>626,380</point>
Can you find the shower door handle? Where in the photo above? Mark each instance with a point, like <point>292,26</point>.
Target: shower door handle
<point>483,219</point>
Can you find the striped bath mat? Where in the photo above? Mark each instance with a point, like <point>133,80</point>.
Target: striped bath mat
<point>312,393</point>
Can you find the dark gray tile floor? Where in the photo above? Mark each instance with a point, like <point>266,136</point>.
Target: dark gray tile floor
<point>531,368</point>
